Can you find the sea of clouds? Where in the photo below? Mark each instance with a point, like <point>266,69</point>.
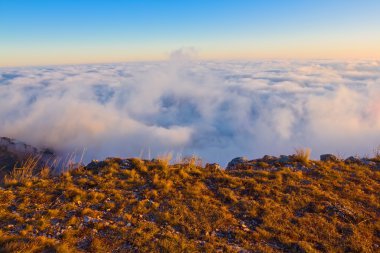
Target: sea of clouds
<point>216,110</point>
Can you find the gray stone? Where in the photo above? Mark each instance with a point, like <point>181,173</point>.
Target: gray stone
<point>329,158</point>
<point>126,164</point>
<point>236,161</point>
<point>368,162</point>
<point>88,219</point>
<point>213,166</point>
<point>353,159</point>
<point>269,158</point>
<point>284,159</point>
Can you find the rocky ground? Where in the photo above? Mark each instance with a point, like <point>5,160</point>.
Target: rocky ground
<point>272,204</point>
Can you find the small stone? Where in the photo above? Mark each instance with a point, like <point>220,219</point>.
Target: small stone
<point>87,219</point>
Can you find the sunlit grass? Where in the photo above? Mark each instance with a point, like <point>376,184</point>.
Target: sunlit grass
<point>156,206</point>
<point>302,155</point>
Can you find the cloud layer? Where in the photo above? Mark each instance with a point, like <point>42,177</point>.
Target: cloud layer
<point>217,110</point>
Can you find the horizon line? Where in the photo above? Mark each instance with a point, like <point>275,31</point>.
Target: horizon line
<point>197,60</point>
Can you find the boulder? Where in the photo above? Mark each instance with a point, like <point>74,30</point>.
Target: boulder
<point>269,158</point>
<point>368,162</point>
<point>213,166</point>
<point>284,159</point>
<point>236,161</point>
<point>353,159</point>
<point>95,165</point>
<point>329,158</point>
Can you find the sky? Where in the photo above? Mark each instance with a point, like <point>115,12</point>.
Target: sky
<point>41,32</point>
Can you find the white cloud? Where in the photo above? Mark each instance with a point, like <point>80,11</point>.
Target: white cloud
<point>217,110</point>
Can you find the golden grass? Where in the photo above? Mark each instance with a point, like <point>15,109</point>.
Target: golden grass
<point>157,207</point>
<point>302,155</point>
<point>23,173</point>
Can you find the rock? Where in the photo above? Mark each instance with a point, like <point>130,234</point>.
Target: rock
<point>126,164</point>
<point>13,152</point>
<point>269,158</point>
<point>329,158</point>
<point>368,162</point>
<point>95,165</point>
<point>284,159</point>
<point>88,219</point>
<point>302,168</point>
<point>353,159</point>
<point>213,166</point>
<point>236,161</point>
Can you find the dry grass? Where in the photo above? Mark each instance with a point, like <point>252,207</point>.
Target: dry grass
<point>376,153</point>
<point>192,161</point>
<point>165,159</point>
<point>23,173</point>
<point>152,206</point>
<point>302,155</point>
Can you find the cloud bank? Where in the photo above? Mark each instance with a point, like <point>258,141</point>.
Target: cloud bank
<point>217,110</point>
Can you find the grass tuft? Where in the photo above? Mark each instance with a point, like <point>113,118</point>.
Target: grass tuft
<point>302,155</point>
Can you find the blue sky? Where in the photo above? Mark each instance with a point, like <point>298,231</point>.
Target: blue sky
<point>53,32</point>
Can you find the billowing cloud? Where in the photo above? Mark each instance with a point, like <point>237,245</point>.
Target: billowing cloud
<point>217,110</point>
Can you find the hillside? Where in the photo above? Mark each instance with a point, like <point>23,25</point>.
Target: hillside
<point>287,204</point>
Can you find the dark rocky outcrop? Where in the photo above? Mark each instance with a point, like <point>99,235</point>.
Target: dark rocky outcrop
<point>14,153</point>
<point>236,161</point>
<point>352,160</point>
<point>329,158</point>
<point>213,166</point>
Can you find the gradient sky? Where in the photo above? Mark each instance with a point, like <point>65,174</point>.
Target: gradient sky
<point>42,32</point>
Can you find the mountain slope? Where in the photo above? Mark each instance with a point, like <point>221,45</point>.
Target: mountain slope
<point>133,205</point>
